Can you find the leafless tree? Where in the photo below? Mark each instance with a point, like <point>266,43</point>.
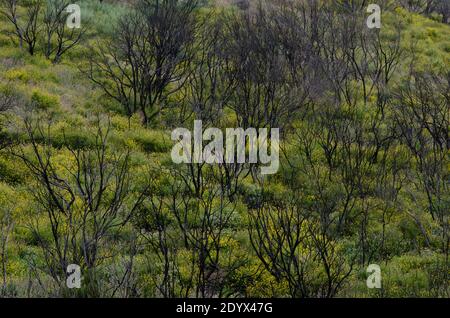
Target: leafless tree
<point>6,226</point>
<point>208,89</point>
<point>266,94</point>
<point>208,92</point>
<point>8,100</point>
<point>83,203</point>
<point>58,37</point>
<point>421,111</point>
<point>203,221</point>
<point>147,58</point>
<point>26,28</point>
<point>442,7</point>
<point>156,228</point>
<point>427,7</point>
<point>294,248</point>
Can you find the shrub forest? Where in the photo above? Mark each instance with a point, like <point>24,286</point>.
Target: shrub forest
<point>87,177</point>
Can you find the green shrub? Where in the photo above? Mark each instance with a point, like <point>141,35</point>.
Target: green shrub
<point>4,40</point>
<point>75,139</point>
<point>9,172</point>
<point>45,101</point>
<point>412,275</point>
<point>18,74</point>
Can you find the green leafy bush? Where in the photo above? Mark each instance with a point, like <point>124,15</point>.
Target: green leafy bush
<point>151,141</point>
<point>45,101</point>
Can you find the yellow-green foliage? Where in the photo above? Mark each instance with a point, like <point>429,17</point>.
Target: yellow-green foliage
<point>150,141</point>
<point>414,276</point>
<point>429,38</point>
<point>18,74</point>
<point>71,103</point>
<point>12,201</point>
<point>10,171</point>
<point>45,101</point>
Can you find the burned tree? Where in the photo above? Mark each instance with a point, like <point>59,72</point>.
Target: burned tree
<point>421,113</point>
<point>26,28</point>
<point>58,37</point>
<point>146,59</point>
<point>83,202</point>
<point>295,248</point>
<point>173,221</point>
<point>266,93</point>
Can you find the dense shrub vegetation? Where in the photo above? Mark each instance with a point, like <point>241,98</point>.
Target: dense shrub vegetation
<point>86,175</point>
